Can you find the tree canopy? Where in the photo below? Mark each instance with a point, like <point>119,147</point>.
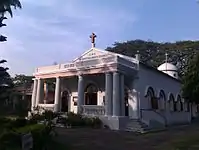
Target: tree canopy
<point>153,53</point>
<point>8,5</point>
<point>22,80</point>
<point>6,83</point>
<point>190,86</point>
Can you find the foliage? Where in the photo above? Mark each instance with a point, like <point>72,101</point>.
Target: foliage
<point>22,80</point>
<point>72,119</point>
<point>5,79</point>
<point>10,136</point>
<point>77,120</point>
<point>190,87</point>
<point>21,108</point>
<point>6,83</point>
<point>7,5</point>
<point>41,134</point>
<point>153,53</point>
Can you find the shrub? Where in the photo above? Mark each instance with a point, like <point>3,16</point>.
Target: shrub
<point>4,120</point>
<point>12,130</point>
<point>19,122</point>
<point>49,115</point>
<point>96,122</point>
<point>77,120</point>
<point>41,134</point>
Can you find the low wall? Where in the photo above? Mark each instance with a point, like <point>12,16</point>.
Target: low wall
<point>178,117</point>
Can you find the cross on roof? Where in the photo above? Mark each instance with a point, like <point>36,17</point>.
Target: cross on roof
<point>92,37</point>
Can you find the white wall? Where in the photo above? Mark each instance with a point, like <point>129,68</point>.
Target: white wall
<point>158,81</point>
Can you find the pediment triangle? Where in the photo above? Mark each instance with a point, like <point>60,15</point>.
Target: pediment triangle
<point>93,52</point>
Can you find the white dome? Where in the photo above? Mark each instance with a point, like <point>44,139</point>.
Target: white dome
<point>167,67</point>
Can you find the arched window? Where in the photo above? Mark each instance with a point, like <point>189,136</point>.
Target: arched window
<point>151,98</point>
<point>180,103</point>
<point>171,102</point>
<point>91,95</point>
<point>91,88</point>
<point>162,99</point>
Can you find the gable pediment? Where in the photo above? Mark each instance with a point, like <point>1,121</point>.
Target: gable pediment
<point>92,53</point>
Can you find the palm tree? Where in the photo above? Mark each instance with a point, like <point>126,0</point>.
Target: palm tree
<point>7,5</point>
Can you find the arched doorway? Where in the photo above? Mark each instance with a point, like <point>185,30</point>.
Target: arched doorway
<point>126,98</point>
<point>91,95</point>
<point>64,101</point>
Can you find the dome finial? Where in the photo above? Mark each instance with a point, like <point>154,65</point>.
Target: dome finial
<point>166,57</point>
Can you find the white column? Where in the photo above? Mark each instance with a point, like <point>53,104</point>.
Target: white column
<point>34,94</point>
<point>116,94</point>
<point>39,92</point>
<point>122,95</point>
<point>134,107</point>
<point>108,94</point>
<point>57,95</point>
<point>45,92</point>
<point>80,93</point>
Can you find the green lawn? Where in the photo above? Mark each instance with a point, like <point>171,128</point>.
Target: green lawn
<point>180,138</point>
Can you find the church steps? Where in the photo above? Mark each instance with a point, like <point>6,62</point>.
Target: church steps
<point>135,125</point>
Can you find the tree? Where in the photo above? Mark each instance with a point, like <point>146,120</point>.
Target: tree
<point>2,38</point>
<point>190,80</point>
<point>6,83</point>
<point>6,6</point>
<point>21,80</point>
<point>153,53</point>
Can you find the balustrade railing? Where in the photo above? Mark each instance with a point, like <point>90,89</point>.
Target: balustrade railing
<point>93,110</point>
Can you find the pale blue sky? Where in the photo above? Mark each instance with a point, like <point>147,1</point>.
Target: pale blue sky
<point>58,30</point>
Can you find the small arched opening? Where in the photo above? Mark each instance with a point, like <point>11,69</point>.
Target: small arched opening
<point>180,103</point>
<point>91,94</point>
<point>172,103</point>
<point>151,98</point>
<point>162,100</point>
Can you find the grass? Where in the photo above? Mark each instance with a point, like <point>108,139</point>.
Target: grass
<point>56,145</point>
<point>181,138</point>
<point>183,143</point>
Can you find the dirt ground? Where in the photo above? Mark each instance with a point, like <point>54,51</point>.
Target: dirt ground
<point>181,138</point>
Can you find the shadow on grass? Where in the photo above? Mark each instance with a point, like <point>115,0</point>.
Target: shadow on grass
<point>190,142</point>
<point>56,145</point>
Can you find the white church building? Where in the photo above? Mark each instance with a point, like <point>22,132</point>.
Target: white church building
<point>124,92</point>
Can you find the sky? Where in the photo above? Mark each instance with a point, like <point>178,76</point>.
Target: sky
<point>58,30</point>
